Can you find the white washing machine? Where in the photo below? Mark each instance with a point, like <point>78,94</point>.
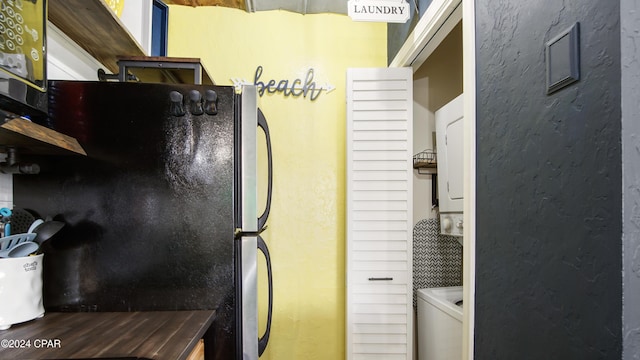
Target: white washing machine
<point>440,323</point>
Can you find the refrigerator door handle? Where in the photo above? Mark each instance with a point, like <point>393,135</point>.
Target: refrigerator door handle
<point>264,339</point>
<point>262,123</point>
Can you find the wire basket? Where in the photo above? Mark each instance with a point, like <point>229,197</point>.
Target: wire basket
<point>425,159</point>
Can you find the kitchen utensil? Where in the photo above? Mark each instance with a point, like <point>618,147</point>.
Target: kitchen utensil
<point>21,219</point>
<point>46,230</point>
<point>6,229</point>
<point>34,225</point>
<point>23,249</point>
<point>8,242</point>
<point>5,218</point>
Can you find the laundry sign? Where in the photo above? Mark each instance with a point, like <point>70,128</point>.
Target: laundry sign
<point>393,11</point>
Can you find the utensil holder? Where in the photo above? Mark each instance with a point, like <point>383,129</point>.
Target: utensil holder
<point>20,290</point>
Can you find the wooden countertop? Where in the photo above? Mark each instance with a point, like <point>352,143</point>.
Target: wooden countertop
<point>157,335</point>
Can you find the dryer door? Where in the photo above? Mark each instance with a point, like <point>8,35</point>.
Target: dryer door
<point>450,155</point>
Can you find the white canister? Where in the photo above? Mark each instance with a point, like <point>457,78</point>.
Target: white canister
<point>20,290</point>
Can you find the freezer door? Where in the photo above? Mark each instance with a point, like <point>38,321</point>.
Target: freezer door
<point>248,162</point>
<point>250,119</point>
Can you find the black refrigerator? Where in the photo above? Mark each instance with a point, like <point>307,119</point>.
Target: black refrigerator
<point>162,213</point>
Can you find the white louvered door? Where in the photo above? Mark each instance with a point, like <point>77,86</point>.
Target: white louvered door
<point>379,213</point>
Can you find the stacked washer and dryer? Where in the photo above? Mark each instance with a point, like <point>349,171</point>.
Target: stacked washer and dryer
<point>440,309</point>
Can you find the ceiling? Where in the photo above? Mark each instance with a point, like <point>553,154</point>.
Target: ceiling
<point>298,6</point>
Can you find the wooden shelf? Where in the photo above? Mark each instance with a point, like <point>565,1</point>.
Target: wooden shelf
<point>32,138</point>
<point>427,161</point>
<point>96,28</point>
<point>426,168</point>
<point>236,4</point>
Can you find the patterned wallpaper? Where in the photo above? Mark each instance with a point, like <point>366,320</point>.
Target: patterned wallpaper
<point>437,259</point>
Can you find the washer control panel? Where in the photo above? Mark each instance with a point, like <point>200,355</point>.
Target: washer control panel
<point>451,224</point>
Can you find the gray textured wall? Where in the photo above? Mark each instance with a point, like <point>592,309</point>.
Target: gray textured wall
<point>549,221</point>
<point>630,28</point>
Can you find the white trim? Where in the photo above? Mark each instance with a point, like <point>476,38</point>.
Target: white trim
<point>6,191</point>
<point>469,235</point>
<point>426,36</point>
<point>433,27</point>
<point>137,17</point>
<point>70,74</point>
<point>68,58</point>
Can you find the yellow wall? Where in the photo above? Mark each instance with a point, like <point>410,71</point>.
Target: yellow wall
<point>306,228</point>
